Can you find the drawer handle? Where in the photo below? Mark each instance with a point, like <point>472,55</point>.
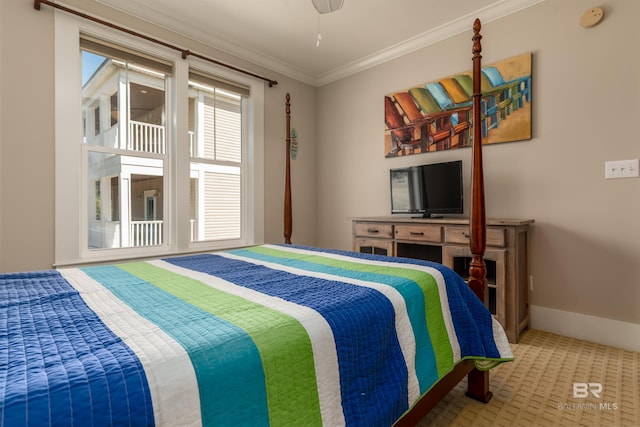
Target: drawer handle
<point>465,235</point>
<point>372,230</point>
<point>417,233</point>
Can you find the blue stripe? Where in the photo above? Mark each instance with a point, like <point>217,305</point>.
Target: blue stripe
<point>371,364</point>
<point>65,362</point>
<point>471,319</point>
<point>210,342</point>
<point>411,292</point>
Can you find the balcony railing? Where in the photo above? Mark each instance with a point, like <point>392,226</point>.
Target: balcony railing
<point>146,137</point>
<point>146,233</point>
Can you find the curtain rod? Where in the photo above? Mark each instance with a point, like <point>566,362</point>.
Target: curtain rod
<point>185,52</point>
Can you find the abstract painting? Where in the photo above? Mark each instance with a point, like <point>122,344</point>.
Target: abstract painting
<point>437,116</point>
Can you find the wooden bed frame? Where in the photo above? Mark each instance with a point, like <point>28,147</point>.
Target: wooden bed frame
<point>478,381</point>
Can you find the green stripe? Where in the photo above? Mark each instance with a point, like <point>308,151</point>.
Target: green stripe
<point>434,318</point>
<point>285,371</point>
<point>208,340</point>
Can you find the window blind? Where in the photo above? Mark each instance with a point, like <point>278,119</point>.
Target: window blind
<point>111,50</point>
<point>219,82</point>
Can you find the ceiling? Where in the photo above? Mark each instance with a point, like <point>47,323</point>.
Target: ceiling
<point>281,34</point>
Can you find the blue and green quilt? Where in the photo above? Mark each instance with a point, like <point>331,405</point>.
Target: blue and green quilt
<point>276,335</point>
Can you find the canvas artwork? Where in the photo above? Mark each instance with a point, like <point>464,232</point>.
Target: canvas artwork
<point>437,115</point>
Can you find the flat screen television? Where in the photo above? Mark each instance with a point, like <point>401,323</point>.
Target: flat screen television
<point>430,190</point>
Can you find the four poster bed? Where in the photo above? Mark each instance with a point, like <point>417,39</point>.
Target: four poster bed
<point>264,335</point>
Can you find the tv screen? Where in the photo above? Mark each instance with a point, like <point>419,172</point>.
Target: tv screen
<point>406,190</point>
<point>442,188</point>
<point>430,190</point>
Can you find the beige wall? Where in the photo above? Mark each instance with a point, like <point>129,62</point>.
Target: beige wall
<point>1,127</point>
<point>27,135</point>
<point>585,247</point>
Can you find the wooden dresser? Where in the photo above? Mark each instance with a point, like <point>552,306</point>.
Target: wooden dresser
<point>446,241</point>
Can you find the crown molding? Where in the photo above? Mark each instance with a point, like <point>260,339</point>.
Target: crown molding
<point>460,25</point>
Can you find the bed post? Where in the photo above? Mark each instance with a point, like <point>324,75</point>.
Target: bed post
<point>288,216</point>
<point>477,221</point>
<point>478,381</point>
<point>478,385</point>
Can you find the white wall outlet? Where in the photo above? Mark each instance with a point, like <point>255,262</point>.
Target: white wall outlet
<point>621,169</point>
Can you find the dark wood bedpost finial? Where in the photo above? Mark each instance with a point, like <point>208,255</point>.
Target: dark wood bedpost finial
<point>477,47</point>
<point>477,219</point>
<point>288,215</point>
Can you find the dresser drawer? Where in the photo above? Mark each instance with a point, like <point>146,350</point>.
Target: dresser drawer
<point>422,232</point>
<point>373,229</point>
<point>460,235</point>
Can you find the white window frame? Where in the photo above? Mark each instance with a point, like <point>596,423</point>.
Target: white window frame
<point>71,181</point>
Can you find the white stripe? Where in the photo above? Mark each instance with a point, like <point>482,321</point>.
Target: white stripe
<point>500,338</point>
<point>404,330</point>
<point>435,273</point>
<point>320,333</point>
<point>170,374</point>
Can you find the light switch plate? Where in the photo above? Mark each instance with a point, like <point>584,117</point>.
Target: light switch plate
<point>621,169</point>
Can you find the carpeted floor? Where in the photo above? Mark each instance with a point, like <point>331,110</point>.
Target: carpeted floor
<point>538,388</point>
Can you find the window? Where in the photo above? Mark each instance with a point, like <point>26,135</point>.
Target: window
<point>96,121</point>
<point>216,158</point>
<point>132,151</point>
<point>115,199</point>
<point>114,108</point>
<point>97,198</point>
<point>168,155</point>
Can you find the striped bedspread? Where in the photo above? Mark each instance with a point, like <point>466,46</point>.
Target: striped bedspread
<point>267,335</point>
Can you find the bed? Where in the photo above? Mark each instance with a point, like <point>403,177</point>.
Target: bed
<point>276,334</point>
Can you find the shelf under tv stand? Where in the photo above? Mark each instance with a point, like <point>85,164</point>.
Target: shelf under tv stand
<point>446,241</point>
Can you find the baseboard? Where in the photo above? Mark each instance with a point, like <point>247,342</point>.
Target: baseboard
<point>595,329</point>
